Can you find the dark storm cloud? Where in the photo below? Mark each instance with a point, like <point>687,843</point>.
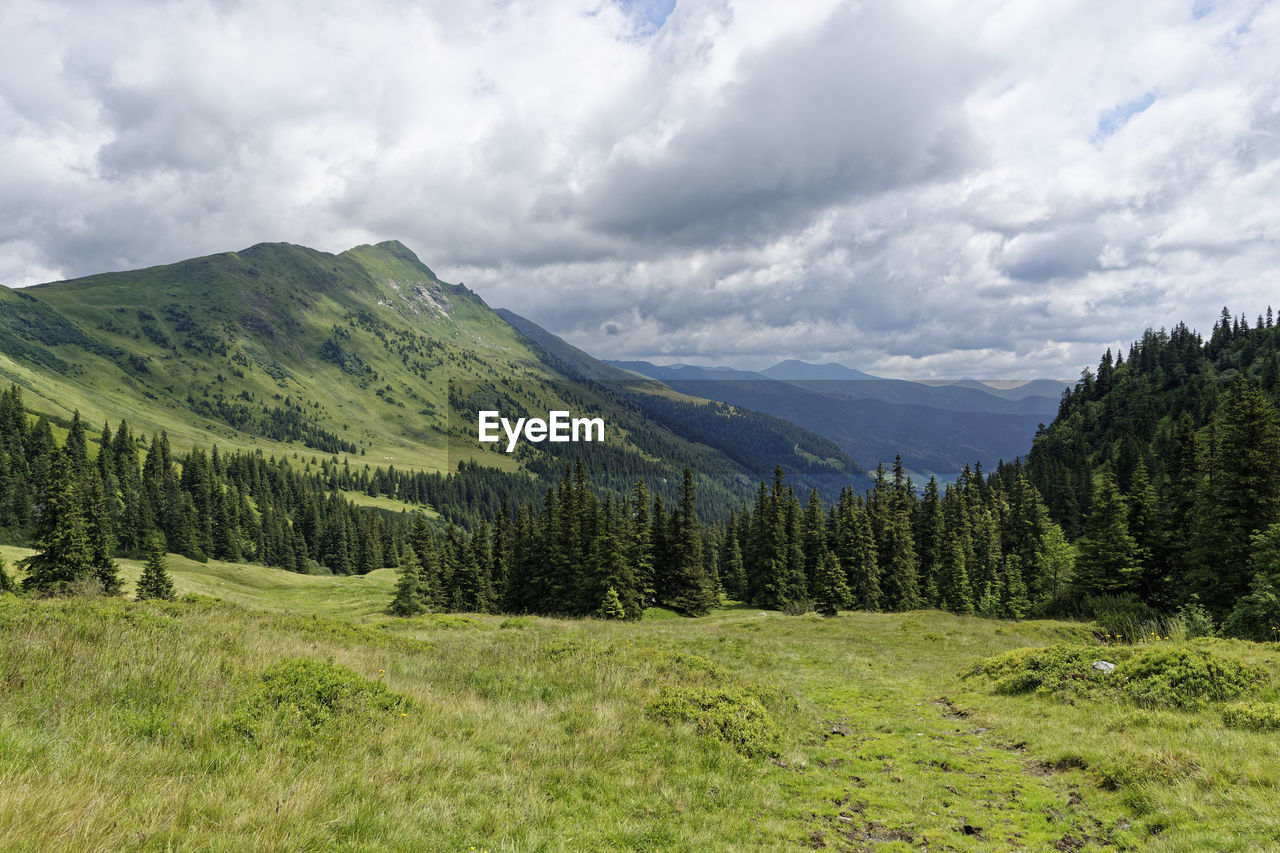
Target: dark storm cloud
<point>861,104</point>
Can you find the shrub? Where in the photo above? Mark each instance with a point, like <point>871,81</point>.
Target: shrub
<point>1054,669</point>
<point>1196,620</point>
<point>1184,678</point>
<point>799,607</point>
<point>1254,716</point>
<point>304,696</point>
<point>1126,616</point>
<point>727,714</point>
<point>1151,676</point>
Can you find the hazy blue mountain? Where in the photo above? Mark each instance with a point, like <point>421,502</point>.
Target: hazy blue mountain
<point>793,369</point>
<point>937,429</point>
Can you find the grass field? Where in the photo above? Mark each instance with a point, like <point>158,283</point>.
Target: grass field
<point>155,726</point>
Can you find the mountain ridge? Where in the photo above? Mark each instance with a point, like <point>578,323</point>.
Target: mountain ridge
<point>364,353</point>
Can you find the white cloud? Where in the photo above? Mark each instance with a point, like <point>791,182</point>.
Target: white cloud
<point>939,187</point>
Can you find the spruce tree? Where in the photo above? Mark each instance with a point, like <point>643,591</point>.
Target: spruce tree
<point>692,592</point>
<point>1014,602</point>
<point>1108,555</point>
<point>1144,526</point>
<point>408,597</point>
<point>1256,616</point>
<point>898,573</point>
<point>422,542</point>
<point>639,544</point>
<point>76,446</point>
<point>813,540</point>
<point>954,591</point>
<point>155,581</point>
<point>830,590</point>
<point>101,544</point>
<point>862,566</point>
<point>733,576</point>
<point>928,536</point>
<point>1240,499</point>
<point>611,606</point>
<point>62,535</point>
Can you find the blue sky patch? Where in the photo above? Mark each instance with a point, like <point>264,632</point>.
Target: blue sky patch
<point>649,14</point>
<point>1118,116</point>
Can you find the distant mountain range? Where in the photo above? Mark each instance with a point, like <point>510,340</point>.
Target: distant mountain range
<point>937,427</point>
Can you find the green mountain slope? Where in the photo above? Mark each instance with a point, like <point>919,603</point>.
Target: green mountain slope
<point>365,354</point>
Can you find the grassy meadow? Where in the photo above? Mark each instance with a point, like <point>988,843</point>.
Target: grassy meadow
<point>196,725</point>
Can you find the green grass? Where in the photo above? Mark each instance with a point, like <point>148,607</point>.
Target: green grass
<point>384,502</point>
<point>121,726</point>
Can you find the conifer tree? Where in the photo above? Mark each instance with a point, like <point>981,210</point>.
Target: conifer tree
<point>155,581</point>
<point>1144,526</point>
<point>62,535</point>
<point>611,606</point>
<point>421,541</point>
<point>1240,499</point>
<point>830,591</point>
<point>1108,555</point>
<point>691,591</point>
<point>928,530</point>
<point>898,575</point>
<point>733,576</point>
<point>76,446</point>
<point>612,572</point>
<point>99,530</point>
<point>639,545</point>
<point>408,597</point>
<point>954,591</point>
<point>861,562</point>
<point>814,540</point>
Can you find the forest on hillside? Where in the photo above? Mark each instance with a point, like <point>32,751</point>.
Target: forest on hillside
<point>1164,468</point>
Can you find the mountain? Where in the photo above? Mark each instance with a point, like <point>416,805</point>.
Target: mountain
<point>755,440</point>
<point>937,430</point>
<point>1013,389</point>
<point>365,354</point>
<point>793,369</point>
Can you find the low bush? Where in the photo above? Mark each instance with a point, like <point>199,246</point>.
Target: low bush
<point>1254,716</point>
<point>304,696</point>
<point>1053,669</point>
<point>1184,678</point>
<point>1151,676</point>
<point>727,714</point>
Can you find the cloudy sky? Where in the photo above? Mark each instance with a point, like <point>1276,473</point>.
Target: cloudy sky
<point>937,188</point>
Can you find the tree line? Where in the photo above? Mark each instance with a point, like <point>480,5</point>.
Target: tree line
<point>984,545</point>
<point>80,511</point>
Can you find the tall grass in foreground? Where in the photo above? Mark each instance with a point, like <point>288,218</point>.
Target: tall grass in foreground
<point>201,724</point>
